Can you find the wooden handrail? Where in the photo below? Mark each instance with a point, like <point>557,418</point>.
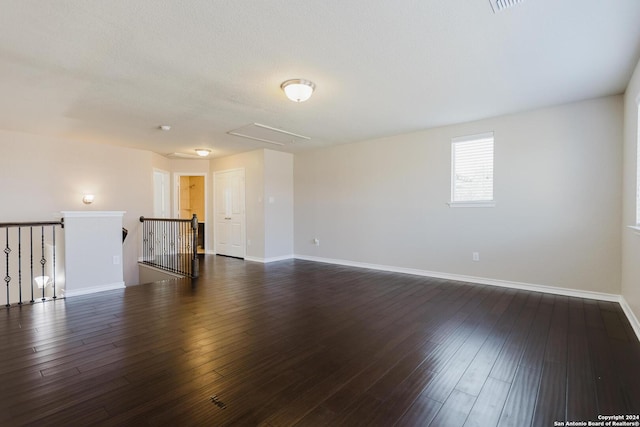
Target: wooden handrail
<point>143,219</point>
<point>30,224</point>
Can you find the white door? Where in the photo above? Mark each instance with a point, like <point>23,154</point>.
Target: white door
<point>160,194</point>
<point>229,230</point>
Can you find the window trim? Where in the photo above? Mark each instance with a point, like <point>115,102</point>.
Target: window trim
<point>636,226</point>
<point>470,203</point>
<point>478,204</point>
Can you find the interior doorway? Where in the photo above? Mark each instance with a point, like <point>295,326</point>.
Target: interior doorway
<point>191,198</point>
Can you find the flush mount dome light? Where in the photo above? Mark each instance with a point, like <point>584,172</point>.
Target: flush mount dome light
<point>203,152</point>
<point>298,90</point>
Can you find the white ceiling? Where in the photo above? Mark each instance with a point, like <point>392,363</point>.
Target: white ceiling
<point>113,71</point>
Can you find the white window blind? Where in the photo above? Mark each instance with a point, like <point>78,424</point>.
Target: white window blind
<point>472,168</point>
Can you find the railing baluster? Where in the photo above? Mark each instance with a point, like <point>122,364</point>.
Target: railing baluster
<point>178,244</point>
<point>7,278</point>
<point>170,244</point>
<point>31,260</point>
<point>195,267</point>
<point>16,262</point>
<point>172,247</point>
<point>145,247</point>
<point>53,229</point>
<point>43,262</point>
<point>19,266</point>
<point>183,238</point>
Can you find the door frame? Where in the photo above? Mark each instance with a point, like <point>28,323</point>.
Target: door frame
<point>176,201</point>
<point>244,208</point>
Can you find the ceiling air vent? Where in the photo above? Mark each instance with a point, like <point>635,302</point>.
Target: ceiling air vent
<point>268,134</point>
<point>498,5</point>
<point>182,156</point>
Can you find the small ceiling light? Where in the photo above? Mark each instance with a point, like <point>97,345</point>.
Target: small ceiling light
<point>203,152</point>
<point>165,127</point>
<point>87,199</point>
<point>298,90</point>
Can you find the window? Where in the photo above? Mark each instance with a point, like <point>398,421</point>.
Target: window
<point>472,171</point>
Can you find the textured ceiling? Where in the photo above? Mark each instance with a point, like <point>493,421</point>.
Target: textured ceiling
<point>113,71</point>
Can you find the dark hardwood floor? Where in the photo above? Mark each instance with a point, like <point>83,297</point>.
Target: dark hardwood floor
<point>297,343</point>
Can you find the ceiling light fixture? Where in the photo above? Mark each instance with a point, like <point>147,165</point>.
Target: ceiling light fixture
<point>298,90</point>
<point>203,152</point>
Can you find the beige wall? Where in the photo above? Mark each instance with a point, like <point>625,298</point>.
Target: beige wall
<point>42,176</point>
<point>557,190</point>
<point>556,222</point>
<point>631,239</point>
<point>278,207</point>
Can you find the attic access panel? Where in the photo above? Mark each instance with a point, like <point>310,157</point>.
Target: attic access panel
<point>268,134</point>
<point>498,5</point>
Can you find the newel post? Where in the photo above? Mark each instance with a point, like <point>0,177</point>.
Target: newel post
<point>195,266</point>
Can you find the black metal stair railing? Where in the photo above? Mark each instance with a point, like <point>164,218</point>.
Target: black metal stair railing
<point>29,253</point>
<point>171,245</point>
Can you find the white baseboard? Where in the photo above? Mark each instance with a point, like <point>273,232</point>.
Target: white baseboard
<point>94,289</point>
<point>471,279</point>
<point>635,324</point>
<point>633,320</point>
<point>268,260</point>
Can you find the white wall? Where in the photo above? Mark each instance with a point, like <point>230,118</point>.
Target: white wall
<point>557,190</point>
<point>278,206</point>
<point>631,239</point>
<point>43,176</point>
<point>100,235</point>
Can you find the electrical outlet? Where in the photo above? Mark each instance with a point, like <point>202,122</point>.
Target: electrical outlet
<point>475,256</point>
<point>316,242</point>
<point>116,260</point>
